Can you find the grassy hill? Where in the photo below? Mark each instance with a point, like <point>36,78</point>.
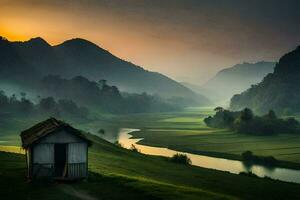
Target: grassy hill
<point>117,173</point>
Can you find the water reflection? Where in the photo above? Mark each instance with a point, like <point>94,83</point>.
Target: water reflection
<point>232,166</point>
<point>249,166</point>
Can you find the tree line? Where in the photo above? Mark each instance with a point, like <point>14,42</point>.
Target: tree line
<point>245,121</point>
<point>11,106</point>
<point>103,97</point>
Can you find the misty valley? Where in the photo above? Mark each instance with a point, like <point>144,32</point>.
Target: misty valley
<point>213,112</point>
<point>192,133</point>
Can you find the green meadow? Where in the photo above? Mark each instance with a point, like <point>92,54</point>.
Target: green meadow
<point>119,173</point>
<point>182,131</point>
<point>187,132</point>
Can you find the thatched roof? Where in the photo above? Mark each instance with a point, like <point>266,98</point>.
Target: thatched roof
<point>46,127</point>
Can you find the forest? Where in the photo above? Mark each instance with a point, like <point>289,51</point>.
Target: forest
<point>78,99</point>
<point>277,91</point>
<point>246,122</point>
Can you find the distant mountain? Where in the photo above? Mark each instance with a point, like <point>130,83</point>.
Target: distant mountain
<point>35,59</point>
<point>279,91</point>
<point>191,86</point>
<point>235,79</point>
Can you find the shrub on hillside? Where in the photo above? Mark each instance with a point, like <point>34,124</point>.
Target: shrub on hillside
<point>181,159</point>
<point>134,148</point>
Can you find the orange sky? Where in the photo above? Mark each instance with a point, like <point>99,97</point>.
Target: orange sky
<point>187,41</point>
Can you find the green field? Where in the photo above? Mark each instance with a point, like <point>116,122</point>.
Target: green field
<point>119,173</point>
<point>187,132</point>
<point>183,131</point>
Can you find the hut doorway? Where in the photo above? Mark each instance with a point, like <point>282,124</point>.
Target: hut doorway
<point>60,159</point>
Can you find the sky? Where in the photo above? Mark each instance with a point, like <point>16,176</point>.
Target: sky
<point>188,40</point>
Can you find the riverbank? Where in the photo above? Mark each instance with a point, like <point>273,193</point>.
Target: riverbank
<point>133,175</point>
<point>158,177</point>
<point>187,131</point>
<point>150,142</point>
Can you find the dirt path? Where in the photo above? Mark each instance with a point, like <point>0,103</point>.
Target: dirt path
<point>68,189</point>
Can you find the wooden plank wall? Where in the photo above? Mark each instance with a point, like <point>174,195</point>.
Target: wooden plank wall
<point>43,155</point>
<point>77,159</point>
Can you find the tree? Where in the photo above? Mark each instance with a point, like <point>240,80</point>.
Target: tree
<point>292,123</point>
<point>23,95</point>
<point>3,100</point>
<point>13,99</point>
<point>228,118</point>
<point>218,109</point>
<point>26,106</point>
<point>246,122</point>
<point>181,159</point>
<point>68,106</point>
<point>247,155</point>
<point>271,115</point>
<point>49,106</point>
<point>102,83</point>
<point>208,121</point>
<point>246,115</point>
<point>134,148</point>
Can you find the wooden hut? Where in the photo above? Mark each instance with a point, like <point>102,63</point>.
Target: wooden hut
<point>55,149</point>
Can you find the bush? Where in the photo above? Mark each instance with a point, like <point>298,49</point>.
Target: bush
<point>117,143</point>
<point>181,159</point>
<point>134,148</point>
<point>249,158</point>
<point>247,155</point>
<point>250,174</point>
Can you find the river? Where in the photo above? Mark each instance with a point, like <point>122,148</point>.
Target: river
<point>232,166</point>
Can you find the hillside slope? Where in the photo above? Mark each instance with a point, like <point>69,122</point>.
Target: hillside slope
<point>278,91</point>
<point>236,79</point>
<point>137,176</point>
<point>80,57</point>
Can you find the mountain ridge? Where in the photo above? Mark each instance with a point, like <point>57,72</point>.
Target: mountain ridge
<point>80,57</point>
<point>278,91</point>
<point>235,79</point>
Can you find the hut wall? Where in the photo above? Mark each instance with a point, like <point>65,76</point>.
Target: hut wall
<point>77,160</point>
<point>43,159</point>
<point>61,137</point>
<point>43,155</point>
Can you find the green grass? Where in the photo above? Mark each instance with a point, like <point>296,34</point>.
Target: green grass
<point>13,185</point>
<point>183,131</point>
<point>186,131</point>
<point>117,173</point>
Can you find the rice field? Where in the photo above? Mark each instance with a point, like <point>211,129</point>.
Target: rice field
<point>186,131</point>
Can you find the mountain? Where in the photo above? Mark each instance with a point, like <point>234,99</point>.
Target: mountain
<point>35,59</point>
<point>278,91</point>
<point>234,80</point>
<point>198,89</point>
